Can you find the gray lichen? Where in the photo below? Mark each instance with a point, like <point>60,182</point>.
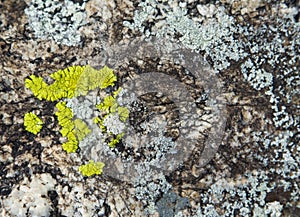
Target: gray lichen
<point>267,58</point>
<point>57,20</point>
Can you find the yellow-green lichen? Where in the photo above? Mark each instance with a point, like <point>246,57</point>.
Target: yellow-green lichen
<point>92,79</point>
<point>75,130</point>
<point>71,145</point>
<point>64,116</point>
<point>123,113</point>
<point>64,85</point>
<point>68,83</point>
<point>116,140</point>
<point>81,129</point>
<point>92,168</point>
<point>111,106</point>
<point>106,77</point>
<point>108,105</point>
<point>38,86</point>
<point>32,123</point>
<point>99,121</point>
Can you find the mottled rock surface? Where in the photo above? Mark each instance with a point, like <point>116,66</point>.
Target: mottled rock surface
<point>252,48</point>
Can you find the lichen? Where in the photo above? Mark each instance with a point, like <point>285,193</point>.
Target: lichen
<point>264,57</point>
<point>64,84</point>
<point>92,168</point>
<point>92,79</point>
<point>64,116</point>
<point>113,118</point>
<point>109,104</point>
<point>75,130</point>
<point>81,129</point>
<point>57,20</point>
<point>69,83</point>
<point>32,123</point>
<point>117,138</point>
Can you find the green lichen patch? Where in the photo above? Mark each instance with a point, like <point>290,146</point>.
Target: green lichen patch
<point>32,123</point>
<point>92,79</point>
<point>64,116</point>
<point>112,118</point>
<point>64,85</point>
<point>69,83</point>
<point>92,168</point>
<point>81,129</point>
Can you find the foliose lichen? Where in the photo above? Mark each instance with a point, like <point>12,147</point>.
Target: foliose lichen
<point>112,118</point>
<point>32,123</point>
<point>70,83</point>
<point>92,168</point>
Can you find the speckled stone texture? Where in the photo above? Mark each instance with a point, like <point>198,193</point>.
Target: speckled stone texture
<point>253,48</point>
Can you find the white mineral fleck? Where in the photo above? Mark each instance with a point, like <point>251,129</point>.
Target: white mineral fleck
<point>31,197</point>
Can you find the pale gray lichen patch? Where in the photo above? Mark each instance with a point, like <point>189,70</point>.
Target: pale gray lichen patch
<point>57,20</point>
<point>215,36</point>
<point>268,54</point>
<point>84,107</point>
<point>262,191</point>
<point>113,124</point>
<point>272,66</point>
<point>171,203</point>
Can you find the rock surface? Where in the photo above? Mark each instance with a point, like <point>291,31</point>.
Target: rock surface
<point>252,48</point>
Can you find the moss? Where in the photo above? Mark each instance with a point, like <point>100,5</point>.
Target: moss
<point>32,123</point>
